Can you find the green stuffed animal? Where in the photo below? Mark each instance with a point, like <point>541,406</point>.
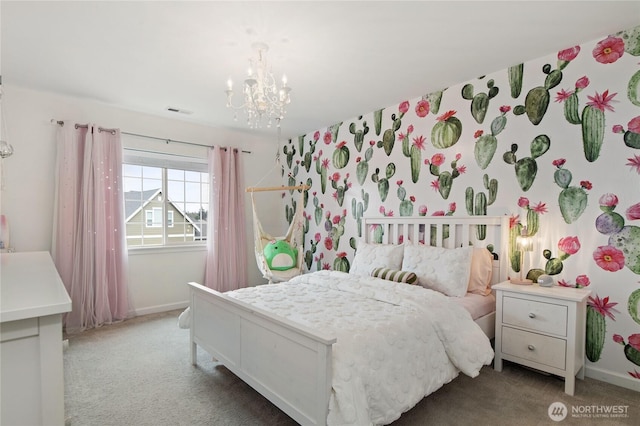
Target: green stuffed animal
<point>280,255</point>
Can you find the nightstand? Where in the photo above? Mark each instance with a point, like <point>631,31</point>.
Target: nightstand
<point>542,328</point>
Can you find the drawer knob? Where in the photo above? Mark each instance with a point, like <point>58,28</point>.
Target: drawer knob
<point>531,347</point>
<point>532,315</point>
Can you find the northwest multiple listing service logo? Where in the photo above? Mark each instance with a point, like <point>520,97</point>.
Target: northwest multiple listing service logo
<point>558,411</point>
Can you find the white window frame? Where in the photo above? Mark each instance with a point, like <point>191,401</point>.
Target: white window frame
<point>165,161</point>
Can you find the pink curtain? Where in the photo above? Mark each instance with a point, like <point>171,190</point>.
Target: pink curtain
<point>226,233</point>
<point>89,236</point>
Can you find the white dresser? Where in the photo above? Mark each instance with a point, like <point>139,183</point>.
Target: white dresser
<point>32,302</point>
<point>542,328</point>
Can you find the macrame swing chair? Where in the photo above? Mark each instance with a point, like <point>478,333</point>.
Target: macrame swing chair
<point>279,258</point>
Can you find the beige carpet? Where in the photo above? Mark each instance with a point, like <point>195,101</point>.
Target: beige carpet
<point>139,373</point>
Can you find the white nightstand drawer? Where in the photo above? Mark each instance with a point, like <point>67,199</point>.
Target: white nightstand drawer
<point>534,315</point>
<point>534,347</point>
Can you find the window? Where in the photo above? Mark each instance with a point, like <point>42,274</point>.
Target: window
<point>166,200</point>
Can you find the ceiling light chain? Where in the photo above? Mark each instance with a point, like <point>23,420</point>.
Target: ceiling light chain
<point>262,98</point>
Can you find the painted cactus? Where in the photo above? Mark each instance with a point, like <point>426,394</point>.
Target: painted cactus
<point>289,153</point>
<point>306,161</point>
<point>335,227</point>
<point>572,199</point>
<point>632,134</point>
<point>389,135</point>
<point>631,348</point>
<point>479,101</point>
<point>526,168</point>
<point>515,74</point>
<point>413,151</point>
<point>289,211</point>
<point>406,205</point>
<point>446,132</point>
<point>597,310</point>
<point>358,135</point>
<point>317,212</point>
<point>515,230</point>
<point>445,179</point>
<point>308,255</point>
<point>358,208</point>
<point>322,165</point>
<point>434,99</point>
<point>383,182</point>
<point>340,189</point>
<point>633,305</point>
<point>341,155</point>
<point>624,241</point>
<point>362,165</point>
<point>486,145</point>
<point>341,263</point>
<point>591,119</point>
<point>537,100</point>
<point>633,89</point>
<point>477,205</point>
<point>567,246</point>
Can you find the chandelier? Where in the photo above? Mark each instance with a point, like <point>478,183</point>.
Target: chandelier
<point>261,96</point>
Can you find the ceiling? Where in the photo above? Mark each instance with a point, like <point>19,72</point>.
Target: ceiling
<point>342,58</point>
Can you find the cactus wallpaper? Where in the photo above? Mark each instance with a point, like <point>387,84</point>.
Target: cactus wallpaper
<point>553,142</point>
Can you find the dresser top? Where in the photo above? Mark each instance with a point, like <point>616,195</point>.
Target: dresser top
<point>30,286</point>
<point>555,291</point>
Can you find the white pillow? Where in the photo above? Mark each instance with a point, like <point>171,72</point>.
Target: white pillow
<point>441,269</point>
<point>370,256</point>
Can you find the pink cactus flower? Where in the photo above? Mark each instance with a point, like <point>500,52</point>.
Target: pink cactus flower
<point>634,125</point>
<point>634,162</point>
<point>328,243</point>
<point>563,283</point>
<point>617,128</point>
<point>523,202</point>
<point>540,208</point>
<point>399,182</point>
<point>327,138</point>
<point>582,82</point>
<point>317,237</point>
<point>609,258</point>
<point>609,50</point>
<point>419,141</point>
<point>422,210</point>
<point>559,162</point>
<point>452,207</point>
<point>381,209</point>
<point>618,339</point>
<point>422,108</point>
<point>582,281</point>
<point>404,107</point>
<point>478,133</point>
<point>633,212</point>
<point>634,374</point>
<point>446,115</point>
<point>341,144</point>
<point>634,341</point>
<point>569,54</point>
<point>437,159</point>
<point>603,101</point>
<point>410,129</point>
<point>586,184</point>
<point>438,213</point>
<point>412,198</point>
<point>608,200</point>
<point>569,245</point>
<point>514,220</point>
<point>341,254</point>
<point>563,95</point>
<point>435,184</point>
<point>336,219</point>
<point>603,306</point>
<point>316,135</point>
<point>505,109</point>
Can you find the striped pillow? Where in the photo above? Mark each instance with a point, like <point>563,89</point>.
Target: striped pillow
<point>394,275</point>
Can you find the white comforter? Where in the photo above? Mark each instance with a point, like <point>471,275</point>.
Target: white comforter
<point>396,343</point>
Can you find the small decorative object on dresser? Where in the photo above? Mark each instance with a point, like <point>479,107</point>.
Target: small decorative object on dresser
<point>542,328</point>
<point>545,280</point>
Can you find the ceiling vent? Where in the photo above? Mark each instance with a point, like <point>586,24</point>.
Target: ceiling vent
<point>179,111</point>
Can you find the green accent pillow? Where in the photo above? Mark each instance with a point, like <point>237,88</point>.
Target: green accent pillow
<point>394,275</point>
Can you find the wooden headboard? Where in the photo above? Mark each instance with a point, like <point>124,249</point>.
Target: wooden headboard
<point>445,231</point>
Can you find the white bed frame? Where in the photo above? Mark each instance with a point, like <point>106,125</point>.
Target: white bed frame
<point>290,364</point>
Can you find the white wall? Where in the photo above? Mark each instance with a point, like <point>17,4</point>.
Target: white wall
<point>157,278</point>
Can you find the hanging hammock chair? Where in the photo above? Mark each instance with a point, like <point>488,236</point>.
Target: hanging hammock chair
<point>279,258</point>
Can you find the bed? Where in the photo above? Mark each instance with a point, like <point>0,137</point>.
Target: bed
<point>272,339</point>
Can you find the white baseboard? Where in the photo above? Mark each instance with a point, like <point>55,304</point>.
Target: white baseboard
<point>613,378</point>
<point>159,308</point>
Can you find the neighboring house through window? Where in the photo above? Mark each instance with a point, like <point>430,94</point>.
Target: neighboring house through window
<point>166,199</point>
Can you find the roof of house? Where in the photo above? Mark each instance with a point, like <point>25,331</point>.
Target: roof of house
<point>134,201</point>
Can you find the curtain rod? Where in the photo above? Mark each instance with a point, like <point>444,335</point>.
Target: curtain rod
<point>166,140</point>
